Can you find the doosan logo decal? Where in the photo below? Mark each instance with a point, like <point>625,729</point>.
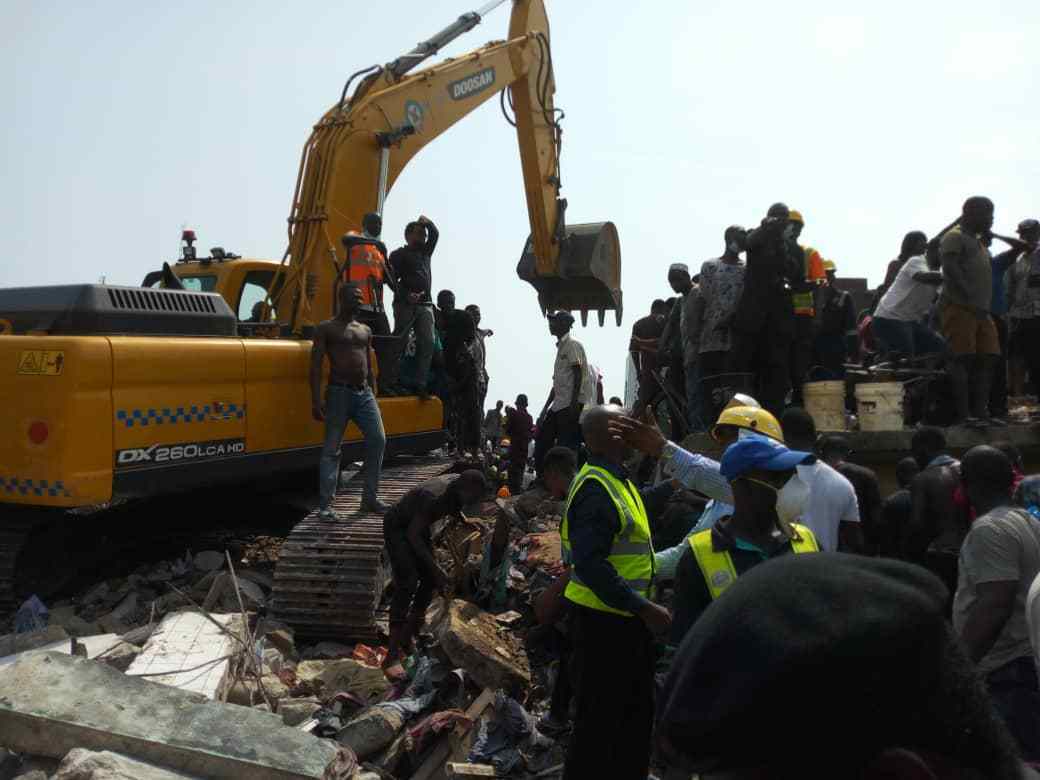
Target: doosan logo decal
<point>175,453</point>
<point>471,85</point>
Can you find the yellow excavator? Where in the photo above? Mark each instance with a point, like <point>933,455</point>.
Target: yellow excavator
<point>200,376</point>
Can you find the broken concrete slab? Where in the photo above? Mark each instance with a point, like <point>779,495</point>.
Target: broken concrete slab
<point>50,704</point>
<point>262,579</point>
<point>473,640</point>
<point>189,652</point>
<point>11,644</point>
<point>455,769</point>
<point>81,764</point>
<point>344,675</point>
<point>297,711</point>
<point>372,730</point>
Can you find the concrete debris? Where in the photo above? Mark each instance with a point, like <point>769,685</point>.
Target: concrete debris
<point>473,640</point>
<point>209,560</point>
<point>82,764</point>
<point>297,711</point>
<point>19,643</point>
<point>330,650</point>
<point>188,651</point>
<point>50,704</point>
<point>454,769</point>
<point>372,730</point>
<point>509,619</point>
<point>282,639</point>
<point>110,649</point>
<point>264,580</point>
<point>344,675</point>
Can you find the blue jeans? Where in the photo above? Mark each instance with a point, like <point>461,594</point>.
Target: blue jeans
<point>343,404</point>
<point>907,338</point>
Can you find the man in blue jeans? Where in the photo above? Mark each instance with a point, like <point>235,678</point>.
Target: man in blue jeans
<point>349,396</point>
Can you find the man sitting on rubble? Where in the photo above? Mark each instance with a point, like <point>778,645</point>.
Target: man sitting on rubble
<point>407,528</point>
<point>794,631</point>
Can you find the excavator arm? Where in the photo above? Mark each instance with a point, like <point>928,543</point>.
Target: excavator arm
<point>361,145</point>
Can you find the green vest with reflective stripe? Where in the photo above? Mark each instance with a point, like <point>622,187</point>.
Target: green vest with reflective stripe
<point>631,554</point>
<point>717,565</point>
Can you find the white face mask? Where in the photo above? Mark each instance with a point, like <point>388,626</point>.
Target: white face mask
<point>791,500</point>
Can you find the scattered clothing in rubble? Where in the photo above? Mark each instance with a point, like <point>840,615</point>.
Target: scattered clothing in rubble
<point>506,736</point>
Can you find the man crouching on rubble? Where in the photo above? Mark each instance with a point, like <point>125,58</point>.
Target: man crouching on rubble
<point>407,536</point>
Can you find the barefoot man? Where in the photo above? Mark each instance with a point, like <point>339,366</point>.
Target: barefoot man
<point>349,396</point>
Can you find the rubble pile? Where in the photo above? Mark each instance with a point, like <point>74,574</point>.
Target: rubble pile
<point>181,674</point>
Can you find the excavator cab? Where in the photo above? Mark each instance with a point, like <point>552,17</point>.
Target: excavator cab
<point>587,273</point>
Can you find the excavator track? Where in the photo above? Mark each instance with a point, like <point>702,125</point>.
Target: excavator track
<point>330,576</point>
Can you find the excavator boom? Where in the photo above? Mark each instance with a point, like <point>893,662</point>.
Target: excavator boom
<point>361,145</point>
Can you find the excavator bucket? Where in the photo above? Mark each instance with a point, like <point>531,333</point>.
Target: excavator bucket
<point>587,276</point>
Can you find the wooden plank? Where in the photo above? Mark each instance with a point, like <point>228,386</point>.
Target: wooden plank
<point>441,752</point>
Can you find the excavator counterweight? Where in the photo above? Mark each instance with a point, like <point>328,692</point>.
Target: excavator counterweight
<point>587,275</point>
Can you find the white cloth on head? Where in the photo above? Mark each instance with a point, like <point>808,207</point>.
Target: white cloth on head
<point>831,502</point>
<point>907,300</point>
<point>569,353</point>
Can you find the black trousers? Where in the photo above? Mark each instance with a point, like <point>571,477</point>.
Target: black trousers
<point>517,465</point>
<point>380,326</point>
<point>413,585</point>
<point>998,390</point>
<point>1016,694</point>
<point>1026,344</point>
<point>801,355</point>
<point>613,666</point>
<point>559,427</point>
<point>765,353</point>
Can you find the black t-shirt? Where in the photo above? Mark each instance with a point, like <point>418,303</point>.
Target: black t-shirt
<point>648,327</point>
<point>868,496</point>
<point>896,513</point>
<point>411,267</point>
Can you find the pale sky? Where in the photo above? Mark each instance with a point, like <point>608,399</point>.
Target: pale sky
<point>124,121</point>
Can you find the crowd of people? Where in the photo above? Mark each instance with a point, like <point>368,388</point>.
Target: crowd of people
<point>771,322</point>
<point>707,603</point>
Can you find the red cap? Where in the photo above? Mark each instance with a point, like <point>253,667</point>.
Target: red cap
<point>187,235</point>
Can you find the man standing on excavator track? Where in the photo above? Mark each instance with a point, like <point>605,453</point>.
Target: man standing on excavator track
<point>349,396</point>
<point>413,306</point>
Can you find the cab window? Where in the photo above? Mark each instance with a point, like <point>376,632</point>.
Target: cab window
<point>254,292</point>
<point>199,283</point>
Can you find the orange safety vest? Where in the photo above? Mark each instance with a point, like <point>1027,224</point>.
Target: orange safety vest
<point>803,301</point>
<point>365,267</point>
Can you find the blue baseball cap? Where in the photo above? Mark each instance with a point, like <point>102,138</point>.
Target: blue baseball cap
<point>759,452</point>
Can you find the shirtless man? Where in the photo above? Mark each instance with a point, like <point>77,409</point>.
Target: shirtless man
<point>349,396</point>
<point>407,533</point>
<point>937,526</point>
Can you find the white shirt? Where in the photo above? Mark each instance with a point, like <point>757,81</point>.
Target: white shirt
<point>589,395</point>
<point>831,502</point>
<point>907,300</point>
<point>569,353</point>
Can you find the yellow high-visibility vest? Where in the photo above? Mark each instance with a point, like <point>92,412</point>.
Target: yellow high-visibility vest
<point>631,554</point>
<point>717,565</point>
<point>813,269</point>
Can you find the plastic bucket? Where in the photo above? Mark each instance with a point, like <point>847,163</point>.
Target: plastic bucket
<point>825,401</point>
<point>880,406</point>
<point>716,392</point>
